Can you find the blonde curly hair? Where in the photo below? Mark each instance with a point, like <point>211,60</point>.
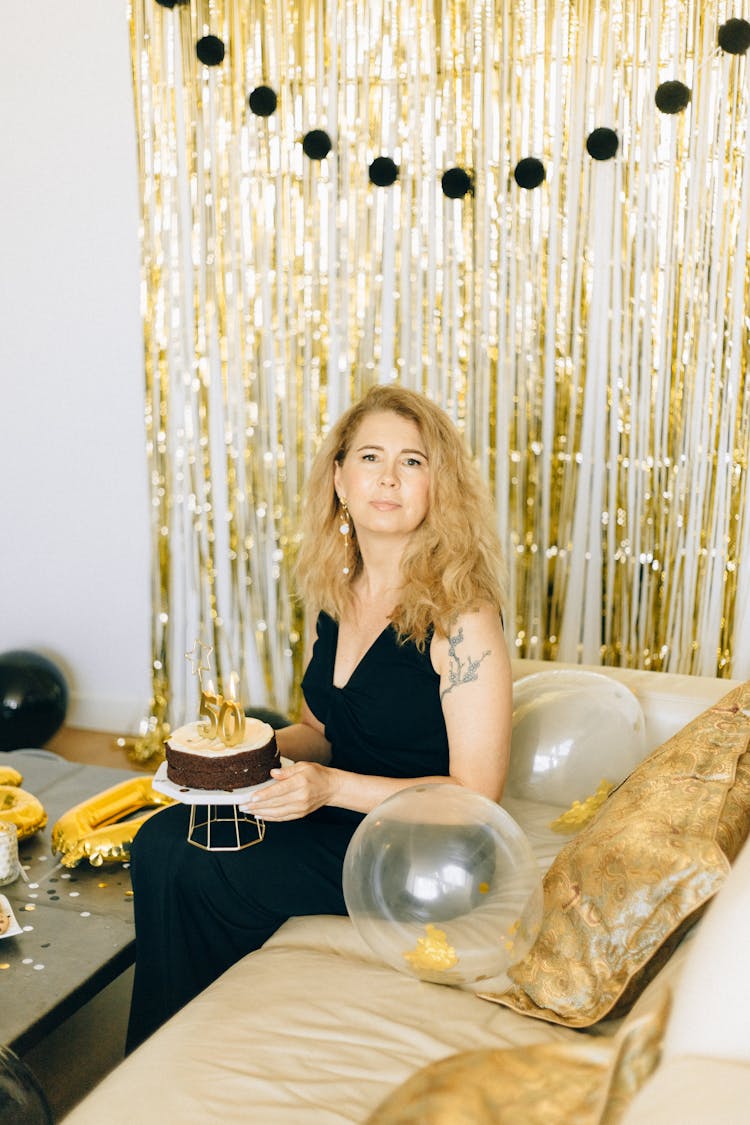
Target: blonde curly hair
<point>454,560</point>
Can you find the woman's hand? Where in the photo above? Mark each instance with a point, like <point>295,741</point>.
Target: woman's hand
<point>298,789</point>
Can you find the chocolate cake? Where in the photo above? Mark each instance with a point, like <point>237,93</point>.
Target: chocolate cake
<point>196,762</point>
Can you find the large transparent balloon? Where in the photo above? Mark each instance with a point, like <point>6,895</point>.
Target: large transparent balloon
<point>442,884</point>
<point>572,730</point>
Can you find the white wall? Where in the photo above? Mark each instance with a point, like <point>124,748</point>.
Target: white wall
<point>74,538</point>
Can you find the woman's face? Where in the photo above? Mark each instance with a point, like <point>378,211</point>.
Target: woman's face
<point>385,476</point>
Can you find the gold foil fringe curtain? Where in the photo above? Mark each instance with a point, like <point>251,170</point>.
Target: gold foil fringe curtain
<point>589,335</point>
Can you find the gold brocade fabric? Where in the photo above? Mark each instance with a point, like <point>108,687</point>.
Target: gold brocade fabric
<point>590,1083</point>
<point>637,1054</point>
<point>546,1084</point>
<point>620,895</point>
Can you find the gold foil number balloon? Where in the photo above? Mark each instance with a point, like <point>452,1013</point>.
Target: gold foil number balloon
<point>95,829</point>
<point>442,884</point>
<point>18,807</point>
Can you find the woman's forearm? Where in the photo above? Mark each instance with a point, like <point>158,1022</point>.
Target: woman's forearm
<point>361,792</point>
<point>302,743</point>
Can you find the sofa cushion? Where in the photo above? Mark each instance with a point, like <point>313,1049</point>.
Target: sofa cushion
<point>620,895</point>
<point>313,1027</point>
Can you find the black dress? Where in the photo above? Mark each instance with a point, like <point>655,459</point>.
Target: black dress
<point>197,912</point>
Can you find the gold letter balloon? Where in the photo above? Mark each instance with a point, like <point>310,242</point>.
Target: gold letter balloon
<point>95,829</point>
<point>17,806</point>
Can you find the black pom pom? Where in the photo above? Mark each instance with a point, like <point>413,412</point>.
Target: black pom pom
<point>171,3</point>
<point>672,97</point>
<point>383,171</point>
<point>263,101</point>
<point>734,36</point>
<point>602,144</point>
<point>456,183</point>
<point>316,144</point>
<point>529,173</point>
<point>210,50</point>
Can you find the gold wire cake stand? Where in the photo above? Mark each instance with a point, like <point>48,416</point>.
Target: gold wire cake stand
<point>241,830</point>
<point>216,824</point>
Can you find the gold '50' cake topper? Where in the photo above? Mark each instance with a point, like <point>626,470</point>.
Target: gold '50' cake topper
<point>224,718</point>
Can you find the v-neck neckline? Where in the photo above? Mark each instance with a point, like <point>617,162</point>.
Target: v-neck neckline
<point>360,662</point>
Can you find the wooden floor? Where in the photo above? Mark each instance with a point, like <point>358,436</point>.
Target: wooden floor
<point>93,748</point>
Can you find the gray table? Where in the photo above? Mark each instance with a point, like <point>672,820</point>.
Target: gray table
<point>77,922</point>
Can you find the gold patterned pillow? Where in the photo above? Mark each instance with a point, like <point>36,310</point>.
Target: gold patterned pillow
<point>619,897</point>
<point>591,1082</point>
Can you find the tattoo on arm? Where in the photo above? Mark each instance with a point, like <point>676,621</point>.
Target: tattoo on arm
<point>460,671</point>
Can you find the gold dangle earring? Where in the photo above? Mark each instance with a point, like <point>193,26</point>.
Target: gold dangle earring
<point>344,529</point>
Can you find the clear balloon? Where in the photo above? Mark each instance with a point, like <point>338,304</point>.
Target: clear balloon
<point>571,731</point>
<point>442,884</point>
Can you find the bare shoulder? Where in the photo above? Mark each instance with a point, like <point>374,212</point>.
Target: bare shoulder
<point>474,639</point>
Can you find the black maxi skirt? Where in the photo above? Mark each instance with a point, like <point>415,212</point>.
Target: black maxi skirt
<point>197,912</point>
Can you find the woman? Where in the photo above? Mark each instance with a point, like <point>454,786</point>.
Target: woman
<point>408,681</point>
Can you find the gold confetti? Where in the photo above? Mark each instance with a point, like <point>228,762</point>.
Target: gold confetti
<point>433,953</point>
<point>581,812</point>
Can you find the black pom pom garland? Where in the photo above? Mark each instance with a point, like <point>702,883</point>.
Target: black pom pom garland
<point>672,97</point>
<point>210,50</point>
<point>456,183</point>
<point>316,144</point>
<point>383,171</point>
<point>529,173</point>
<point>602,144</point>
<point>734,36</point>
<point>262,101</point>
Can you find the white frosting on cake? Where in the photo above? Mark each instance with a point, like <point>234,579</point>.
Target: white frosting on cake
<point>190,740</point>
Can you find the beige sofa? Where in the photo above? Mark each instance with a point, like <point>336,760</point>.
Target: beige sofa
<point>314,1028</point>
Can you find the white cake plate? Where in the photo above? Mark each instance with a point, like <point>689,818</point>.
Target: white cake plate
<point>162,784</point>
<point>247,829</point>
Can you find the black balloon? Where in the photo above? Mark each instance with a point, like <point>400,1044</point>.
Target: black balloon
<point>672,97</point>
<point>33,700</point>
<point>274,719</point>
<point>21,1097</point>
